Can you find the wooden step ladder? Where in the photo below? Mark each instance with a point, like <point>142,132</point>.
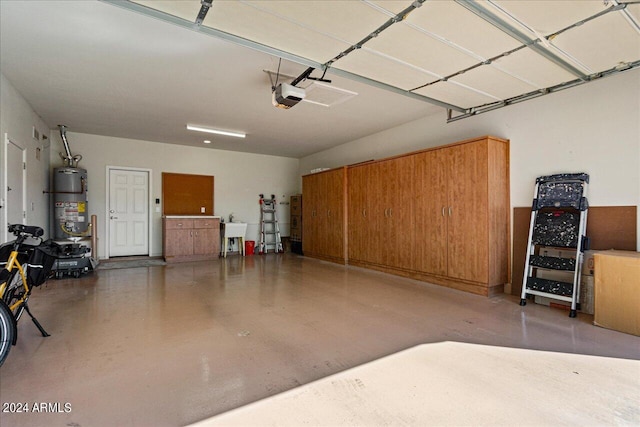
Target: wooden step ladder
<point>558,220</point>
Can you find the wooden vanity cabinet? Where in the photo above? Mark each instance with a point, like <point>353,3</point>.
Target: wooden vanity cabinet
<point>190,239</point>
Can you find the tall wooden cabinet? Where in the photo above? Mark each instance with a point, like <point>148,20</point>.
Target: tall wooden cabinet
<point>380,198</point>
<point>439,215</point>
<point>462,214</point>
<point>323,215</point>
<point>431,210</point>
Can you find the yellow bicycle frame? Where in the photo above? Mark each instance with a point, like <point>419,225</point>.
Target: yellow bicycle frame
<point>12,263</point>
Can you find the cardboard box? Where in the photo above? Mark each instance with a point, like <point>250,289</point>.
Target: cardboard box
<point>585,299</point>
<point>559,275</point>
<point>588,265</point>
<point>295,206</point>
<point>295,235</point>
<point>617,291</point>
<point>587,294</point>
<point>296,222</point>
<point>557,252</point>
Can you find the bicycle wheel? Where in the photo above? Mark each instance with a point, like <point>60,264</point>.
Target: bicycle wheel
<point>7,331</point>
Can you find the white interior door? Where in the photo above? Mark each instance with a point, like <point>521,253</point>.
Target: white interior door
<point>128,212</point>
<point>16,186</point>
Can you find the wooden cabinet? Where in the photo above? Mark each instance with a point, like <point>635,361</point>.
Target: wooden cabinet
<point>362,213</point>
<point>467,229</point>
<point>462,211</point>
<point>190,239</point>
<point>395,222</point>
<point>440,215</point>
<point>430,212</point>
<point>323,215</point>
<point>178,237</point>
<point>380,206</point>
<point>206,237</point>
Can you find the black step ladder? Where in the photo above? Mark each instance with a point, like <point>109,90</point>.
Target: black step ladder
<point>558,220</point>
<point>269,229</point>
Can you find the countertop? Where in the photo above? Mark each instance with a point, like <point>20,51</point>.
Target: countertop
<point>191,216</point>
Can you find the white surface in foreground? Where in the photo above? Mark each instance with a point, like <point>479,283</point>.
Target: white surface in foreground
<point>459,384</point>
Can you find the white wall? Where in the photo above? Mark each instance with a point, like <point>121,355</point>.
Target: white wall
<point>17,119</point>
<point>239,177</point>
<point>593,128</point>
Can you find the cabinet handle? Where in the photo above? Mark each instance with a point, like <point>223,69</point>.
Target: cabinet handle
<point>196,234</point>
<point>443,208</point>
<point>328,213</point>
<point>191,233</point>
<point>386,213</point>
<point>179,224</point>
<point>390,212</point>
<point>364,213</point>
<point>450,209</point>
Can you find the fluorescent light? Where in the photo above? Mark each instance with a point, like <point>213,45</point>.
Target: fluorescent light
<point>216,131</point>
<point>206,141</point>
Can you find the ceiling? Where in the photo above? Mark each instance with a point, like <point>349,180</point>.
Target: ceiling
<point>145,69</point>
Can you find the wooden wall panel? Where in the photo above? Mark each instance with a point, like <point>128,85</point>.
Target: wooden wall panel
<point>608,227</point>
<point>185,194</point>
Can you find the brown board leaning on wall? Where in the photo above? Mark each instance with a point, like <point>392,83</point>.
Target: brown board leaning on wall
<point>608,227</point>
<point>185,194</point>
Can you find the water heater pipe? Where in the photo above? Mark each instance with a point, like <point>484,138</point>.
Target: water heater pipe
<point>69,160</point>
<point>63,135</point>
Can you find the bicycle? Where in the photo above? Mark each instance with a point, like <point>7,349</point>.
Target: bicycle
<point>25,265</point>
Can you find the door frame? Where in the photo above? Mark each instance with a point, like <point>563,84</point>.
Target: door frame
<point>106,206</point>
<point>4,217</point>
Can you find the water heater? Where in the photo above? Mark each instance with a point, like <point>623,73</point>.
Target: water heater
<point>70,202</point>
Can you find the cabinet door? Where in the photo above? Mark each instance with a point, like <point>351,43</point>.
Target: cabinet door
<point>468,217</point>
<point>204,241</point>
<point>431,211</point>
<point>357,212</point>
<point>396,225</point>
<point>178,242</point>
<point>363,213</point>
<point>309,213</point>
<point>206,236</point>
<point>320,214</point>
<point>333,224</point>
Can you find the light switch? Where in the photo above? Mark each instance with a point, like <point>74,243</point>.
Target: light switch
<point>202,209</point>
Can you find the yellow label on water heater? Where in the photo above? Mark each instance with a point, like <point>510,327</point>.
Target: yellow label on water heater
<point>81,206</point>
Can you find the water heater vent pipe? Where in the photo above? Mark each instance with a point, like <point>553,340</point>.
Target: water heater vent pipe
<point>69,160</point>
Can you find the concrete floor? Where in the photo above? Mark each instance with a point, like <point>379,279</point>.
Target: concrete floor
<point>173,345</point>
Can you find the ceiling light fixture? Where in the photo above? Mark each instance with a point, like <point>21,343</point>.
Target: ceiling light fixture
<point>206,141</point>
<point>216,131</point>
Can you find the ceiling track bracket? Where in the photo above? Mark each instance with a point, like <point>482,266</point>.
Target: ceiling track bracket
<point>204,9</point>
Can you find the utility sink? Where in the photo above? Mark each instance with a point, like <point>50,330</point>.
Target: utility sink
<point>230,230</point>
<point>234,229</point>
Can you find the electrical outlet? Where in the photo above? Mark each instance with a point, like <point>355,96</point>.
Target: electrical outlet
<point>35,134</point>
<point>202,209</point>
